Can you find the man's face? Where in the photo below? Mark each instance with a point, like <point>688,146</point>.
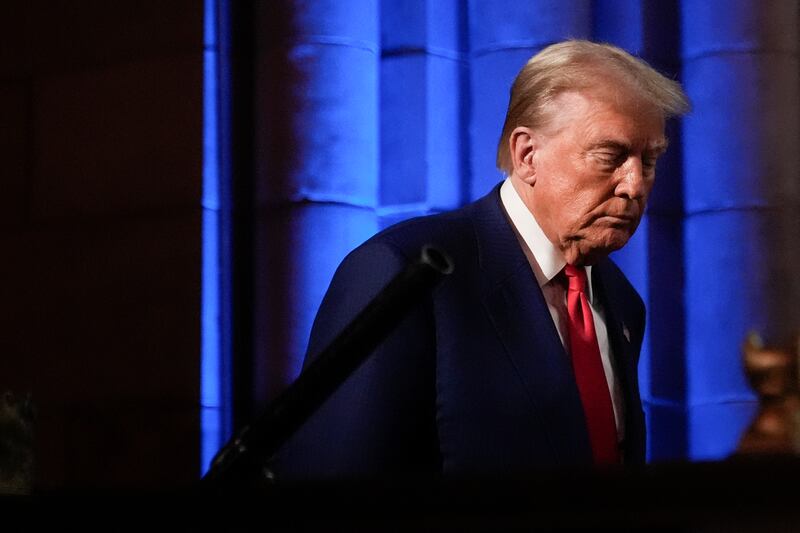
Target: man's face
<point>591,170</point>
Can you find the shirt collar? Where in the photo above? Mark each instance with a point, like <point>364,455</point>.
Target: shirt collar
<point>546,259</point>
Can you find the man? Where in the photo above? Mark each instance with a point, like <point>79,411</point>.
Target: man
<point>526,356</point>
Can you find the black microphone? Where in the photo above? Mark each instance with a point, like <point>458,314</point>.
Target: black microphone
<point>243,461</point>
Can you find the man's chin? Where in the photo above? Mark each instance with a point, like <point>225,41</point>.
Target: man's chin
<point>592,251</point>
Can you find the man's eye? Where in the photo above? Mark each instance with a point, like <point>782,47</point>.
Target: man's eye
<point>610,159</point>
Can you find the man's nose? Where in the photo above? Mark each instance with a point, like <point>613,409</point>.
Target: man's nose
<point>632,182</point>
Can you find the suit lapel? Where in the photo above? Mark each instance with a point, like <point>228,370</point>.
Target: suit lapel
<point>625,350</point>
<point>518,311</point>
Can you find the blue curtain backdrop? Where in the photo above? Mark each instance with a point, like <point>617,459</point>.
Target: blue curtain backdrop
<point>372,111</point>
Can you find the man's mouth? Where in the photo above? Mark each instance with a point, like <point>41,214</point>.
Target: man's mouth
<point>617,221</point>
<point>622,217</point>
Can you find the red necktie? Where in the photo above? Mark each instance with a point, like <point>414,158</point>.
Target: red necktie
<point>589,373</point>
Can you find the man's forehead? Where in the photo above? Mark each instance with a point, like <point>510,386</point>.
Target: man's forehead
<point>601,116</point>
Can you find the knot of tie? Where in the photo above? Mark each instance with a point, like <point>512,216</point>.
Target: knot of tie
<point>576,277</point>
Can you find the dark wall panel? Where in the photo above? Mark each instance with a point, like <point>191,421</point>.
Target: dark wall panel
<point>101,104</point>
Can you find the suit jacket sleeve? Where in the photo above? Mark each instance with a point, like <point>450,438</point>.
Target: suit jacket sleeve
<point>381,421</point>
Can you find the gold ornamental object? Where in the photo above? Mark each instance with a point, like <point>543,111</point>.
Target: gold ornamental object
<point>773,374</point>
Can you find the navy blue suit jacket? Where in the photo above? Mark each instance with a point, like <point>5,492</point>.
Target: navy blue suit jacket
<point>475,381</point>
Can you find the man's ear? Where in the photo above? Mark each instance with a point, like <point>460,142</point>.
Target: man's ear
<point>522,145</point>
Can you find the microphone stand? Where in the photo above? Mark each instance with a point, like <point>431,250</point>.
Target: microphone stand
<point>243,461</point>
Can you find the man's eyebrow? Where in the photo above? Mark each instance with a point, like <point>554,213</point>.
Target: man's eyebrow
<point>659,147</point>
<point>609,143</point>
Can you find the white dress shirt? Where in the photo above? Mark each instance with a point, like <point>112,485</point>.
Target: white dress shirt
<point>547,261</point>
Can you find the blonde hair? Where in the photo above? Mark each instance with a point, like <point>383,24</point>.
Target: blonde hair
<point>575,65</point>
